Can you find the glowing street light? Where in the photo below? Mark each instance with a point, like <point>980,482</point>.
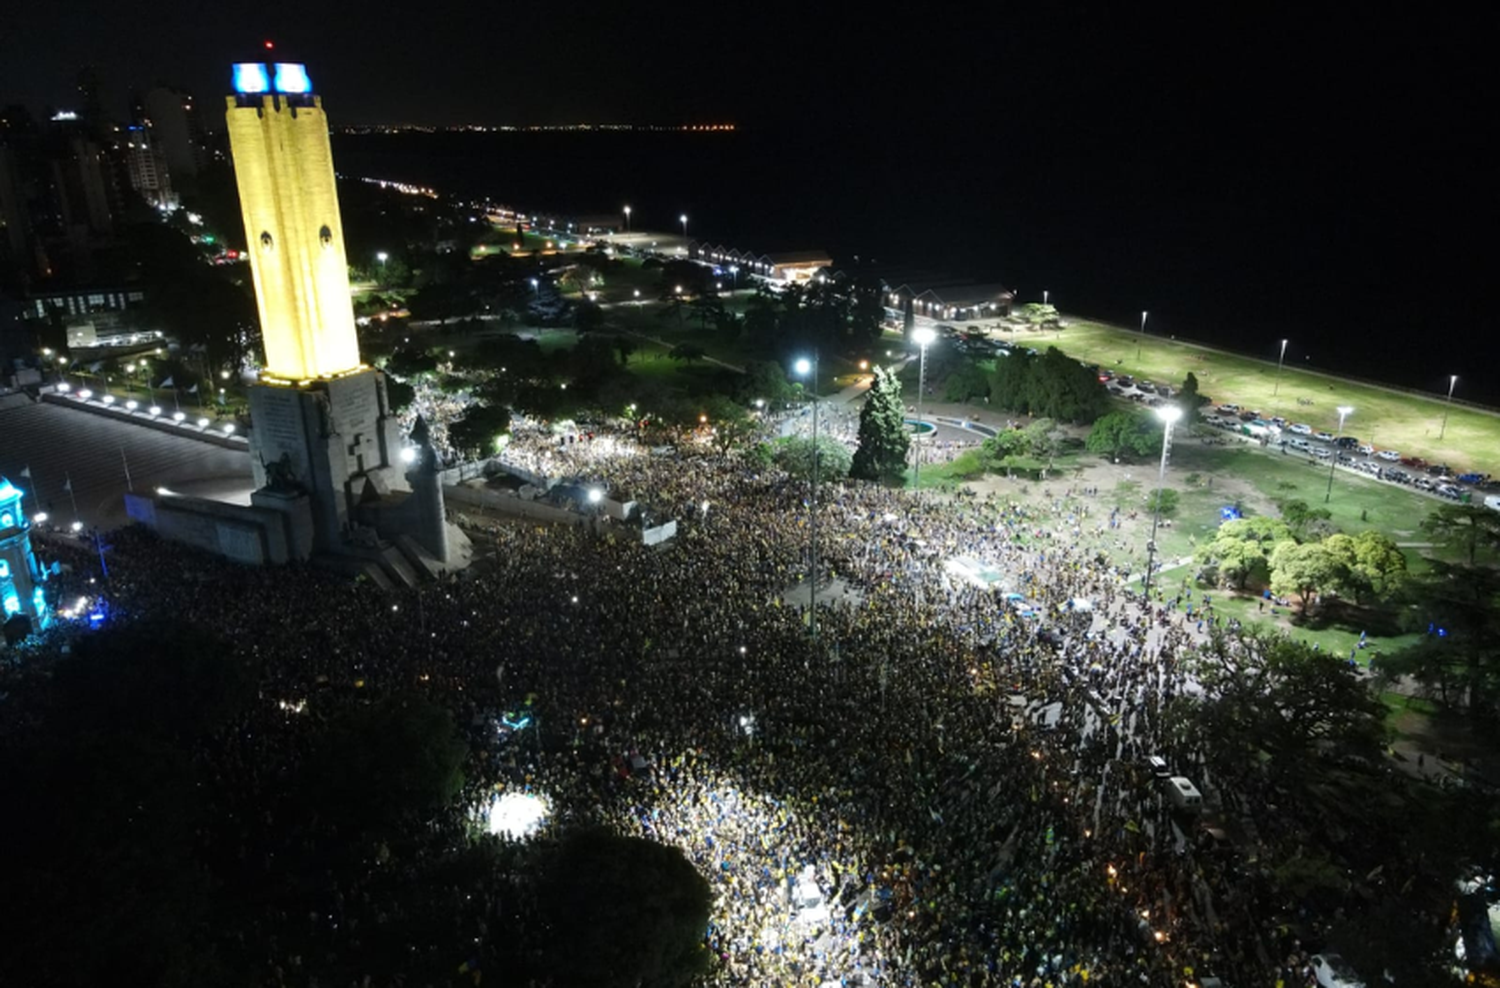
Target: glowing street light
<point>683,220</point>
<point>627,219</point>
<point>1141,337</point>
<point>806,368</point>
<point>921,336</point>
<point>382,257</point>
<point>1279,361</point>
<point>155,410</point>
<point>1169,414</point>
<point>1452,383</point>
<point>1333,460</point>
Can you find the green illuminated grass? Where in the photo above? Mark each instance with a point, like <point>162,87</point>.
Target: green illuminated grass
<point>1388,419</point>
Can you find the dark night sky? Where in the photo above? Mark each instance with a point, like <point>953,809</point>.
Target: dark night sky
<point>1373,123</point>
<point>1356,98</point>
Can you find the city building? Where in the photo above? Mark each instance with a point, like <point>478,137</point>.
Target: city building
<point>175,127</point>
<point>146,166</point>
<point>781,266</point>
<point>334,482</point>
<point>955,300</point>
<point>21,578</point>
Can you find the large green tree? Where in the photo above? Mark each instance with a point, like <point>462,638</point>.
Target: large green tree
<point>1273,703</point>
<point>1456,607</point>
<point>795,456</point>
<point>1305,570</point>
<point>883,438</point>
<point>1123,434</point>
<point>1189,400</point>
<point>1472,529</point>
<point>620,912</point>
<point>373,765</point>
<point>479,432</point>
<point>1240,550</point>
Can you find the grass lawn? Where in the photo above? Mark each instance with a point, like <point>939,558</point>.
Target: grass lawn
<point>1334,639</point>
<point>1387,419</point>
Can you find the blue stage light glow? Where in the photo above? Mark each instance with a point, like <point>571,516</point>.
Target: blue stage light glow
<point>292,78</point>
<point>251,78</point>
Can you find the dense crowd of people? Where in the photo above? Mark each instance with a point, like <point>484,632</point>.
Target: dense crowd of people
<point>960,763</point>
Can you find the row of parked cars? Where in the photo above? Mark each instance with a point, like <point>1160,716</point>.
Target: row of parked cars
<point>1435,478</point>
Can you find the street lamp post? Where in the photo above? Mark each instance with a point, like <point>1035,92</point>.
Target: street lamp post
<point>805,368</point>
<point>734,271</point>
<point>1141,337</point>
<point>922,336</point>
<point>1169,414</point>
<point>1044,296</point>
<point>627,219</point>
<point>1452,383</point>
<point>1279,361</point>
<point>683,219</point>
<point>1333,461</point>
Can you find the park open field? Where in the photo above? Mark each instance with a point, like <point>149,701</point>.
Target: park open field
<point>1386,418</point>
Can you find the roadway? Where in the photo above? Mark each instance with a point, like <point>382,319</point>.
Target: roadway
<point>60,443</point>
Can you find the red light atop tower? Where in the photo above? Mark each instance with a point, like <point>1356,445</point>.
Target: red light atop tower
<point>269,46</point>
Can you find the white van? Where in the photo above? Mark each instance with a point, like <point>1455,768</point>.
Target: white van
<point>1183,795</point>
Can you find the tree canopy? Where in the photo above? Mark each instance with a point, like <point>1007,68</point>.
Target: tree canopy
<point>1124,434</point>
<point>883,438</point>
<point>621,912</point>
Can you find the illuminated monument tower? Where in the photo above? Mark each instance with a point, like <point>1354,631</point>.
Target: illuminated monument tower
<point>20,577</point>
<point>324,444</point>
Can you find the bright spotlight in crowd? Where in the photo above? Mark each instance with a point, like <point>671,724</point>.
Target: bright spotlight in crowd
<point>409,454</point>
<point>517,815</point>
<point>595,495</point>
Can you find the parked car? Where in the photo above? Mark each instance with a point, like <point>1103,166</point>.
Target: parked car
<point>1249,416</point>
<point>1366,449</point>
<point>1398,475</point>
<point>1229,409</point>
<point>1440,470</point>
<point>1324,437</point>
<point>1300,428</point>
<point>1389,455</point>
<point>1346,442</point>
<point>1278,421</point>
<point>1301,444</point>
<point>1322,452</point>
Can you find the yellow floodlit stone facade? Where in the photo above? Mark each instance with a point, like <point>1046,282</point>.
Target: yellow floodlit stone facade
<point>283,165</point>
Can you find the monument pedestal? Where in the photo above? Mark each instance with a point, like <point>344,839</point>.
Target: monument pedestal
<point>335,438</point>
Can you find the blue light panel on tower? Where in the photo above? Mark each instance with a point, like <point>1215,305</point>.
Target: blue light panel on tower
<point>292,78</point>
<point>251,77</point>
